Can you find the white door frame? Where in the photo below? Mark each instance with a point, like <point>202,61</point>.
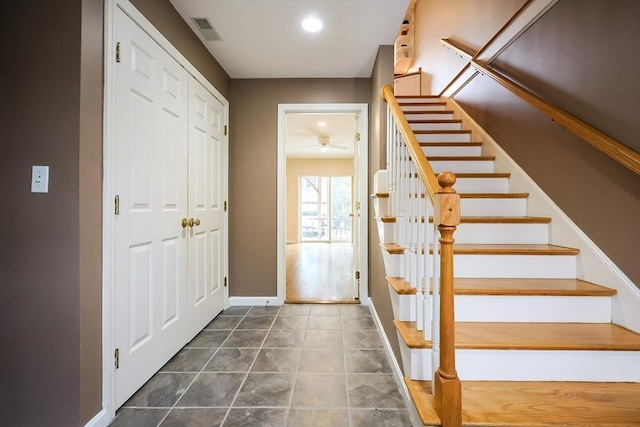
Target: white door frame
<point>106,415</point>
<point>357,108</point>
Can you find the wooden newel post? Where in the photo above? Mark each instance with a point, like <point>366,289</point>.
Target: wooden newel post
<point>447,390</point>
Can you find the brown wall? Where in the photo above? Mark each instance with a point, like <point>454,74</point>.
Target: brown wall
<point>378,288</point>
<point>90,205</point>
<point>253,170</point>
<point>50,244</point>
<point>40,233</point>
<point>168,21</point>
<point>582,55</point>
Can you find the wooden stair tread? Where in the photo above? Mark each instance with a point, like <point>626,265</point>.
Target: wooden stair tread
<point>536,404</point>
<point>494,249</point>
<point>450,144</point>
<point>426,111</point>
<point>530,336</point>
<point>541,287</point>
<point>387,218</point>
<point>493,195</point>
<point>417,97</point>
<point>514,287</point>
<point>483,175</point>
<point>502,220</point>
<point>429,121</point>
<point>471,249</point>
<point>441,131</point>
<point>407,104</point>
<point>460,158</point>
<point>410,335</point>
<point>545,336</point>
<point>401,286</point>
<point>381,195</point>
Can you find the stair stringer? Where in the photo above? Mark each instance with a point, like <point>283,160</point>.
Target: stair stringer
<point>592,264</point>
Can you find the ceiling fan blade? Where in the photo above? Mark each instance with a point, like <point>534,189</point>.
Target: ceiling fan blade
<point>339,147</point>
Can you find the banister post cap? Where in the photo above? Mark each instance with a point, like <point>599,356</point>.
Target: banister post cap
<point>446,181</point>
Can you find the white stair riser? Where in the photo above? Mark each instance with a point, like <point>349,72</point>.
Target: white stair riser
<point>530,365</point>
<point>426,107</point>
<point>493,207</point>
<point>472,150</point>
<point>381,206</point>
<point>509,308</point>
<point>515,266</point>
<point>416,362</point>
<point>393,264</point>
<point>499,266</point>
<point>429,116</point>
<point>482,185</point>
<point>436,126</point>
<point>547,365</point>
<point>502,234</point>
<point>386,231</point>
<point>443,137</point>
<point>468,166</point>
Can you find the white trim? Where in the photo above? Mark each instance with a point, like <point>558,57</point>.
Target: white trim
<point>101,419</point>
<point>254,301</point>
<point>358,108</point>
<point>108,297</point>
<point>395,367</point>
<point>592,264</point>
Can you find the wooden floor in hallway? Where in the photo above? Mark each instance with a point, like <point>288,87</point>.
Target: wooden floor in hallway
<point>320,272</point>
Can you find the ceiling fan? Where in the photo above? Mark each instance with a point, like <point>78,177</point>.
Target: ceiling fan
<point>324,143</point>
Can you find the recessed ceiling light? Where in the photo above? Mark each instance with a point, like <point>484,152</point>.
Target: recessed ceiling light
<point>312,25</point>
<point>322,124</point>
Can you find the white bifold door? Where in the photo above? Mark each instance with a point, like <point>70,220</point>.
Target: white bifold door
<point>170,184</point>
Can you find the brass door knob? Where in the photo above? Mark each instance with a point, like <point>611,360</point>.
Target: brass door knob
<point>193,221</point>
<point>184,222</point>
<point>196,222</point>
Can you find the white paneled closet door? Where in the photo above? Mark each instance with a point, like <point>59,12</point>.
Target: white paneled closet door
<point>151,183</point>
<point>207,193</point>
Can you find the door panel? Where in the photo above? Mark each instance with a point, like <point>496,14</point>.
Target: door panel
<point>150,180</point>
<point>207,167</point>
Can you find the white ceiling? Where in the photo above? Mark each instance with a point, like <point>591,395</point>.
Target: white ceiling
<point>264,38</point>
<point>304,135</point>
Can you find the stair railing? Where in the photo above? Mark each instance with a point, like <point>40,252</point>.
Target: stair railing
<point>415,192</point>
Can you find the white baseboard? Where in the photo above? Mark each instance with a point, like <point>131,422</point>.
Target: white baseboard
<point>257,301</point>
<point>397,371</point>
<point>100,420</point>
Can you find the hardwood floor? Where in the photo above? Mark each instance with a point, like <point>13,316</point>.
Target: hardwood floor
<point>319,272</point>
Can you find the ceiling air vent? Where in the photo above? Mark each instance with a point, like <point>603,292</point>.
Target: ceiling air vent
<point>208,32</point>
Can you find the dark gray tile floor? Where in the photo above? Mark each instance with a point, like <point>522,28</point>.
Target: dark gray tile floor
<point>292,365</point>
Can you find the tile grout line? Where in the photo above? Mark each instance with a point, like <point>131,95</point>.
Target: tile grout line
<point>203,366</point>
<point>295,376</point>
<point>235,396</point>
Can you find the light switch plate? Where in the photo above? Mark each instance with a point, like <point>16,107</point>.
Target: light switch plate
<point>40,179</point>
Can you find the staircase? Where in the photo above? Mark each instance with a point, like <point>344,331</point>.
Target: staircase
<point>535,346</point>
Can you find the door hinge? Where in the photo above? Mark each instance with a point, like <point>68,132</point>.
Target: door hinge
<point>357,136</point>
<point>117,205</point>
<point>117,357</point>
<point>118,52</point>
<point>225,129</point>
<point>357,275</point>
<point>225,205</point>
<point>357,206</point>
<point>225,282</point>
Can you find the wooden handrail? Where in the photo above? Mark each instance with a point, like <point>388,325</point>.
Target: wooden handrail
<point>614,149</point>
<point>425,172</point>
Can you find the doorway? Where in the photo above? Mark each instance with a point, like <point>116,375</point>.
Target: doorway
<point>320,187</point>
